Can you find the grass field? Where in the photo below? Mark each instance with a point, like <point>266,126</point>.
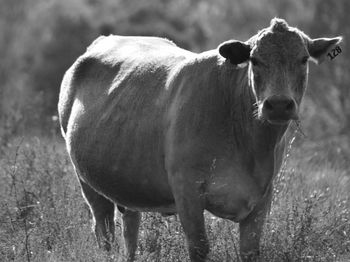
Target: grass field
<point>43,216</point>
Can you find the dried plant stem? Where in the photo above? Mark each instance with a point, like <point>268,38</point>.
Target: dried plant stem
<point>18,204</point>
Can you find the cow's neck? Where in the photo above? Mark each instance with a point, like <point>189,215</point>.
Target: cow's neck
<point>253,141</point>
<point>249,135</point>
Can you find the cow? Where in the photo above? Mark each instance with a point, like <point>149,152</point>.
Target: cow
<point>151,127</point>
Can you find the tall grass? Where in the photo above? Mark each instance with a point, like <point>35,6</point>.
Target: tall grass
<point>43,216</point>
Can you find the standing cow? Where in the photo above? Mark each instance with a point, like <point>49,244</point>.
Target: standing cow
<point>152,127</point>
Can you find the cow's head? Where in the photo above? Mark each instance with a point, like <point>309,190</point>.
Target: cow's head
<point>278,66</point>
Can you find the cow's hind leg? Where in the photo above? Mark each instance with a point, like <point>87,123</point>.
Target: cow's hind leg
<point>103,213</point>
<point>131,222</point>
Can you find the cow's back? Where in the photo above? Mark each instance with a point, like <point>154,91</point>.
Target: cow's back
<point>111,110</point>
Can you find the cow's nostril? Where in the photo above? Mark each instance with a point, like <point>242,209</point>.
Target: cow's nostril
<point>268,106</point>
<point>290,105</point>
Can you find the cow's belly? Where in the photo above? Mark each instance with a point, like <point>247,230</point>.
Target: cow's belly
<point>232,194</point>
<point>121,160</point>
<point>129,186</point>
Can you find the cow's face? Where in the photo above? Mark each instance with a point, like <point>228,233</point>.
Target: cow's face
<point>278,66</point>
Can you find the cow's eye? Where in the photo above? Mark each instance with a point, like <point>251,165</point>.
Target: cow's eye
<point>304,60</point>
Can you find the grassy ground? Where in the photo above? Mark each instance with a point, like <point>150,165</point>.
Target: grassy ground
<point>44,218</point>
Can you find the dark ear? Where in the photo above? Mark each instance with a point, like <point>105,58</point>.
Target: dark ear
<point>235,51</point>
<point>319,47</point>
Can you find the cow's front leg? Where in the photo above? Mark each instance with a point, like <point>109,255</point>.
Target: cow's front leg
<point>251,227</point>
<point>190,206</point>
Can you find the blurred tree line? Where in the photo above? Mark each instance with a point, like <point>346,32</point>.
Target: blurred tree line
<point>42,38</point>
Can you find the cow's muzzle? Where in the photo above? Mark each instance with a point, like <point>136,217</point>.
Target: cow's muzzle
<point>279,109</point>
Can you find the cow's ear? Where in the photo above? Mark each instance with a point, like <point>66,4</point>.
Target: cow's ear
<point>319,47</point>
<point>235,51</point>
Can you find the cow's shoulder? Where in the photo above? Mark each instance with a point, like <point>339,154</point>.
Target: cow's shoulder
<point>198,72</point>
